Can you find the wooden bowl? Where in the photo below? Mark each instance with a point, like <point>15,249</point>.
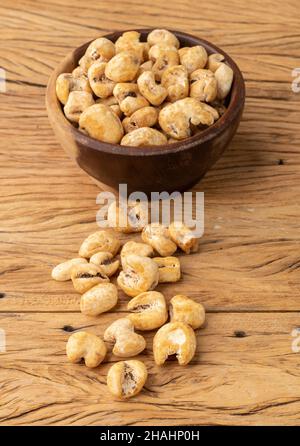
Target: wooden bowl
<point>172,167</point>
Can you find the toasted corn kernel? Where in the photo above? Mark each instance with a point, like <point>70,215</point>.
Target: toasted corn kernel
<point>99,299</point>
<point>168,269</point>
<point>140,274</point>
<point>157,236</point>
<point>126,379</point>
<point>184,309</point>
<point>132,247</point>
<point>87,346</point>
<point>174,338</point>
<point>62,271</point>
<point>149,310</point>
<point>106,262</point>
<point>127,342</point>
<point>184,237</point>
<point>100,241</point>
<point>85,276</point>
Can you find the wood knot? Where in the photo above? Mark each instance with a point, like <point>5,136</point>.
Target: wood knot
<point>2,295</point>
<point>240,334</point>
<point>68,328</point>
<point>280,162</point>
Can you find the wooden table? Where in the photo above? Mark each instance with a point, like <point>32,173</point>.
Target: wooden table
<point>247,271</point>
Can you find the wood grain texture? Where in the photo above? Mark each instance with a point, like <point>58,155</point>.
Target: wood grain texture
<point>247,356</point>
<point>247,270</point>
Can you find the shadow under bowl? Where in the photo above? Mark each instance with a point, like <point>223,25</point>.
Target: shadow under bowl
<point>170,167</point>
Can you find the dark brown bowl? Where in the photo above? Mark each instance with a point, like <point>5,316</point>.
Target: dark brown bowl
<point>173,167</point>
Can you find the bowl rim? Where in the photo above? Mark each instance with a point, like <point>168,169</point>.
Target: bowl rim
<point>237,101</point>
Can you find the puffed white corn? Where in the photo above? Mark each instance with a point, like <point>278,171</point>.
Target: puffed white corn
<point>174,338</point>
<point>184,309</point>
<point>127,343</point>
<point>87,346</point>
<point>126,379</point>
<point>62,271</point>
<point>99,299</point>
<point>148,310</point>
<point>140,274</point>
<point>85,276</point>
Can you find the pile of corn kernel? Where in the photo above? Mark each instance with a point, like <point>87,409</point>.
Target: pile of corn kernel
<point>137,93</point>
<point>141,266</point>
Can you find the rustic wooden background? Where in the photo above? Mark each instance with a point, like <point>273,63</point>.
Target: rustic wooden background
<point>247,272</point>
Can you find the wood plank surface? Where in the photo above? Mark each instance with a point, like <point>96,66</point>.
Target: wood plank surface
<point>243,371</point>
<point>247,270</point>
